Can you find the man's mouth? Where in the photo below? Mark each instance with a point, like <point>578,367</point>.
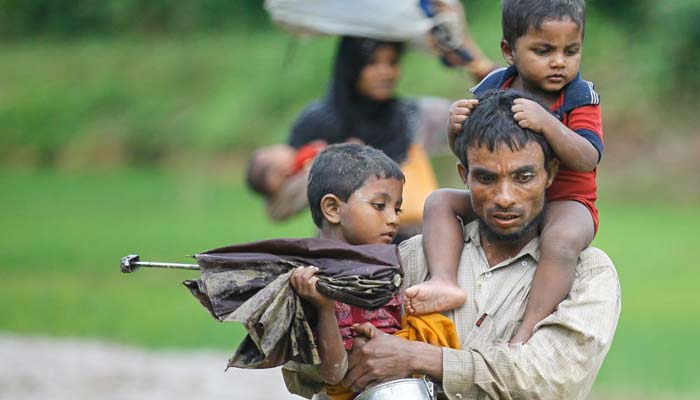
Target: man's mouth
<point>505,220</point>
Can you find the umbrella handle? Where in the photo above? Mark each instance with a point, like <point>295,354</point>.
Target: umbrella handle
<point>132,262</point>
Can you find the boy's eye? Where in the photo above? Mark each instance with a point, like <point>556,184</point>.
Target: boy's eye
<point>541,51</point>
<point>379,206</point>
<point>398,210</point>
<point>572,51</point>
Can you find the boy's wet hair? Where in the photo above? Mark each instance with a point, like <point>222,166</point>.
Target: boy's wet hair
<point>517,16</point>
<point>341,169</point>
<point>491,123</point>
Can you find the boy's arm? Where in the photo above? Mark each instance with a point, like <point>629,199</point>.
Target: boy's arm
<point>575,151</point>
<point>442,231</point>
<point>330,344</point>
<point>459,112</point>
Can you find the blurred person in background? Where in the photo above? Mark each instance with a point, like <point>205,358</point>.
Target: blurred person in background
<point>361,106</point>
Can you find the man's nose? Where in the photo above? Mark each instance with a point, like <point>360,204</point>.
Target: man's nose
<point>505,197</point>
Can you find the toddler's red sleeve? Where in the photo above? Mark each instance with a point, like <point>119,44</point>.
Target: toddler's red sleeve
<point>587,122</point>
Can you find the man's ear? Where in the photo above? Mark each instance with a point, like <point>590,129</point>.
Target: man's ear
<point>463,173</point>
<point>330,207</point>
<point>507,52</point>
<point>553,169</point>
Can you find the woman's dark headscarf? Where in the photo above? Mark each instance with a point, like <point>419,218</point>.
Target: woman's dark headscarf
<point>345,113</point>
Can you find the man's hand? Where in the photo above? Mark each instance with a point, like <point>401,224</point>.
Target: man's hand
<point>459,112</point>
<point>380,359</point>
<point>303,282</point>
<point>531,115</point>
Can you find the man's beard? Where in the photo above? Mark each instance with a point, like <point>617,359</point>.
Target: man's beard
<point>492,235</point>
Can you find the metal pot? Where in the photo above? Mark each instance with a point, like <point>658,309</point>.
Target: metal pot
<point>403,389</point>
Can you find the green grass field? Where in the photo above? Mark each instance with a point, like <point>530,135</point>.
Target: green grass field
<point>63,236</point>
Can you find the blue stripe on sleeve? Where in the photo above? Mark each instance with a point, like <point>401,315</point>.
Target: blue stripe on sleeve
<point>594,139</point>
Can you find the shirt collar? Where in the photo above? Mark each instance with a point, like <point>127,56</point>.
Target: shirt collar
<point>532,248</point>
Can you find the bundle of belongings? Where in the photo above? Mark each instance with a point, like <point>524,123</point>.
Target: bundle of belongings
<point>249,283</point>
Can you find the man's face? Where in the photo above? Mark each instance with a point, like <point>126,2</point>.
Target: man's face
<point>507,188</point>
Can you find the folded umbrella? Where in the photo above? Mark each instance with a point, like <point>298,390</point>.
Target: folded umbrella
<point>249,283</point>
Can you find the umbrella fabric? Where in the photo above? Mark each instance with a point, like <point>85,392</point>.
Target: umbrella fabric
<point>249,283</point>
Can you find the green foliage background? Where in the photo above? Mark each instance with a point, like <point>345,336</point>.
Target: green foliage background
<point>124,126</point>
<point>154,80</point>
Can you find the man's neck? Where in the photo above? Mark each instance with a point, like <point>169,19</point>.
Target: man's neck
<point>498,250</point>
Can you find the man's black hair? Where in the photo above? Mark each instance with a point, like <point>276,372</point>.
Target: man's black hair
<point>491,123</point>
<point>517,16</point>
<point>341,169</point>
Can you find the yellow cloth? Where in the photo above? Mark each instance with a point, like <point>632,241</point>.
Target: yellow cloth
<point>434,328</point>
<point>420,181</point>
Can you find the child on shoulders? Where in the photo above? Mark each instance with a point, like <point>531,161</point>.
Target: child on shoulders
<point>542,42</point>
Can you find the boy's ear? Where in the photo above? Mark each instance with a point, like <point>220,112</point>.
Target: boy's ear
<point>330,207</point>
<point>463,173</point>
<point>552,173</point>
<point>507,52</point>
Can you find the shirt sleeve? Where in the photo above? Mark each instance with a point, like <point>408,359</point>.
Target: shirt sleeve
<point>587,122</point>
<point>562,358</point>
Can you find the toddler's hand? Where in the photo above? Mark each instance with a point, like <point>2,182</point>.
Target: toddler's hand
<point>459,112</point>
<point>303,282</point>
<point>531,115</point>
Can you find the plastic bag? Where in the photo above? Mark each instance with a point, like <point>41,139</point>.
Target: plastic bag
<point>401,20</point>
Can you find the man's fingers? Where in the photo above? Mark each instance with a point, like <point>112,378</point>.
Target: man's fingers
<point>367,330</point>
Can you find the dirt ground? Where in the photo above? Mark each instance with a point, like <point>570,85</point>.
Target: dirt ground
<point>43,368</point>
<point>38,368</point>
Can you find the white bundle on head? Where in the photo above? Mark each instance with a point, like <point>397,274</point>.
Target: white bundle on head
<point>396,20</point>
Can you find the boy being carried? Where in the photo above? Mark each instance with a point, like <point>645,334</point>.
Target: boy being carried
<point>542,42</point>
<point>355,196</point>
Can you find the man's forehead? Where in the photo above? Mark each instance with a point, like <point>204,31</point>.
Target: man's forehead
<point>502,155</point>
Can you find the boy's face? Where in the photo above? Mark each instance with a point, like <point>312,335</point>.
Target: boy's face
<point>547,58</point>
<point>371,214</point>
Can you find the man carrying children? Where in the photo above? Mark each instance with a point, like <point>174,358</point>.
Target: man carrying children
<point>539,316</point>
<point>507,169</point>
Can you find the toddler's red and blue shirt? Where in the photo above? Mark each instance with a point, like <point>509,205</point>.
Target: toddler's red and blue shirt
<point>578,108</point>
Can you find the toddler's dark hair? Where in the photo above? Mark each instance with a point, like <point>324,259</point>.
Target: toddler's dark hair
<point>341,169</point>
<point>491,123</point>
<point>517,16</point>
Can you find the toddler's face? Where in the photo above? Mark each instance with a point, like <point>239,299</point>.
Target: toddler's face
<point>277,163</point>
<point>371,214</point>
<point>547,58</point>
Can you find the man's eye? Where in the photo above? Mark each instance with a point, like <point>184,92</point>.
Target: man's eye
<point>379,206</point>
<point>526,177</point>
<point>486,179</point>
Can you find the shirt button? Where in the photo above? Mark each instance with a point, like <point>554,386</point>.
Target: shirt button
<point>458,395</point>
<point>524,263</point>
<point>488,274</point>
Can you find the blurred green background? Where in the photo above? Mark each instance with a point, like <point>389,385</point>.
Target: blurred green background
<point>125,125</point>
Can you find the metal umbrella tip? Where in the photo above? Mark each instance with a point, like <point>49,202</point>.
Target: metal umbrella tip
<point>128,263</point>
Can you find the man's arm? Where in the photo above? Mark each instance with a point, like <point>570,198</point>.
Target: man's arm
<point>561,359</point>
